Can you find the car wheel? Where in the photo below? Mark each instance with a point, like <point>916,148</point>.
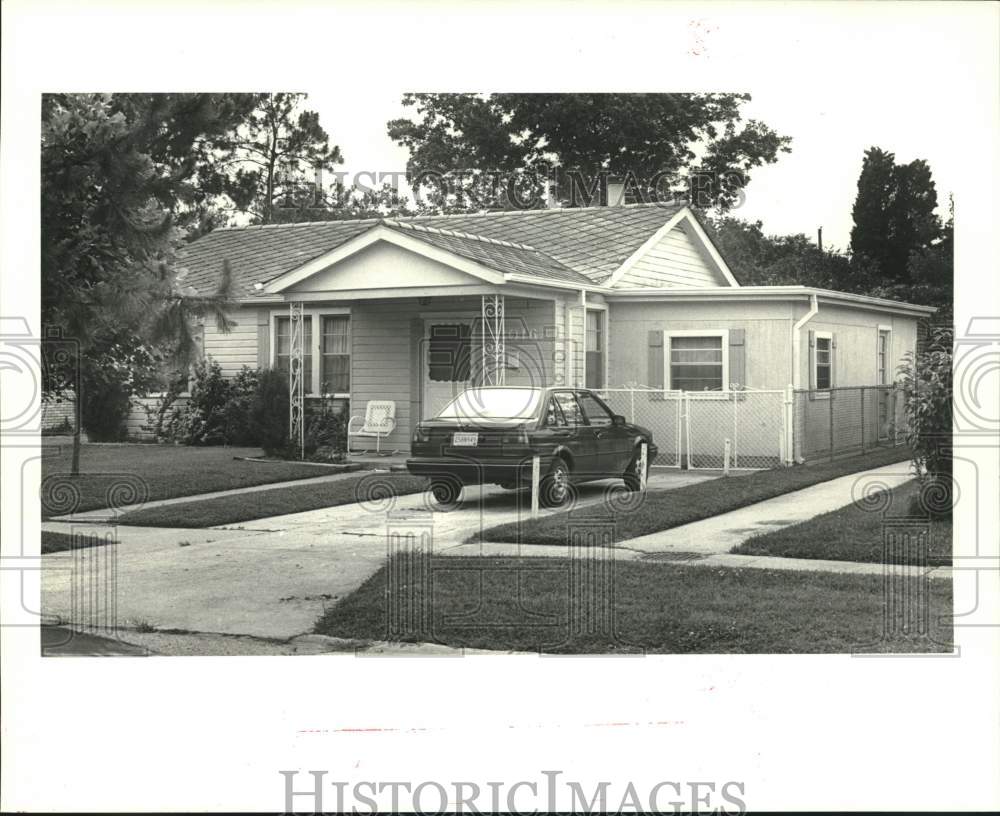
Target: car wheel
<point>631,475</point>
<point>447,492</point>
<point>556,487</point>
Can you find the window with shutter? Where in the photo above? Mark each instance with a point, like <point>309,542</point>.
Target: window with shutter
<point>822,354</point>
<point>698,361</point>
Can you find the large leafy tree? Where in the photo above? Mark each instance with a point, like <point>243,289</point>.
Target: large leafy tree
<point>116,171</point>
<point>653,142</point>
<point>263,163</point>
<point>894,216</point>
<point>758,259</point>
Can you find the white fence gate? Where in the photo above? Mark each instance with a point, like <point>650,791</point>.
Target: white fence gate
<point>714,430</point>
<point>656,409</point>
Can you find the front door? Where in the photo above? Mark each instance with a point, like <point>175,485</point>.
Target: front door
<point>446,363</point>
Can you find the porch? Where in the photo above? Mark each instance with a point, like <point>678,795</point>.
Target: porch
<point>420,352</point>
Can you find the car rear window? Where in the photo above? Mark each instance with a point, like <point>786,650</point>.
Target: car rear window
<point>494,404</point>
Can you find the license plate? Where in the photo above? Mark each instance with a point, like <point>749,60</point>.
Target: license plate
<point>465,440</point>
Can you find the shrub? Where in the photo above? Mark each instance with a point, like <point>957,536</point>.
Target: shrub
<point>236,412</point>
<point>926,379</point>
<point>267,422</point>
<point>326,432</point>
<point>104,409</point>
<point>202,420</point>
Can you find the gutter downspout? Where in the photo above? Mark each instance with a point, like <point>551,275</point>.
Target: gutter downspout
<point>797,340</point>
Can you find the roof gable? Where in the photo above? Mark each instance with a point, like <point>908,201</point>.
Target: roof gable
<point>577,246</point>
<point>679,255</point>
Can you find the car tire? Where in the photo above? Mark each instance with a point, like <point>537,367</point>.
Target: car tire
<point>631,474</point>
<point>447,492</point>
<point>556,487</point>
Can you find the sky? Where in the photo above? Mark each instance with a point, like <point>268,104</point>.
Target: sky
<point>813,186</point>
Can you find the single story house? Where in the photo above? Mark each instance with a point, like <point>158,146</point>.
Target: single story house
<point>414,309</point>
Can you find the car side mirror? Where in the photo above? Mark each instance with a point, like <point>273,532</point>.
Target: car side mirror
<point>617,419</point>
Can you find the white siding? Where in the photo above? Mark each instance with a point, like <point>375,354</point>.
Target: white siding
<point>675,261</point>
<point>238,347</point>
<point>855,331</point>
<point>766,326</point>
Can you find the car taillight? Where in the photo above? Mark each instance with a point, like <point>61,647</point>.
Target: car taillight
<point>519,437</point>
<point>421,435</point>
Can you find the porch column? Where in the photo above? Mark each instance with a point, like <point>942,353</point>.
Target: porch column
<point>493,341</point>
<point>296,382</point>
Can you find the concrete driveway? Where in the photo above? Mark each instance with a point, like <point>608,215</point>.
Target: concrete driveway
<point>270,578</point>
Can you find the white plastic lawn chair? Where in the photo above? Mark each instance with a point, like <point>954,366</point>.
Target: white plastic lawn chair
<point>379,421</point>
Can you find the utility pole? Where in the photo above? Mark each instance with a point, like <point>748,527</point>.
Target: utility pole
<point>820,239</point>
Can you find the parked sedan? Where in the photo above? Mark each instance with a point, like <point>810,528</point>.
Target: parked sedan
<point>490,435</point>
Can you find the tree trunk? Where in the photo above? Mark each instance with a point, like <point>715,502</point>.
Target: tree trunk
<point>78,415</point>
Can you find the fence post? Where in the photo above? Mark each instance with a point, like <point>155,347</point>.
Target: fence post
<point>535,474</point>
<point>679,442</point>
<point>788,425</point>
<point>631,398</point>
<point>830,393</point>
<point>726,452</point>
<point>736,433</point>
<point>687,425</point>
<point>643,465</point>
<point>893,423</point>
<point>862,390</point>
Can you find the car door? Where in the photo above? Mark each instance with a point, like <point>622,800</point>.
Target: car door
<point>614,443</point>
<point>581,439</point>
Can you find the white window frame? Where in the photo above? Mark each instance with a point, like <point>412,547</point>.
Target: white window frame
<point>822,393</point>
<point>889,374</point>
<point>667,354</point>
<point>606,326</point>
<point>317,314</point>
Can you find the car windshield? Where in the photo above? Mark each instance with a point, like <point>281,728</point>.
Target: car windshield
<point>494,404</point>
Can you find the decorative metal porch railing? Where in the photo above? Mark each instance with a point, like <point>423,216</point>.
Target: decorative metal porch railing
<point>493,342</point>
<point>296,395</point>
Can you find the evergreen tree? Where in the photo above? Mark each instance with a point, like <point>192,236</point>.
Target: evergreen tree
<point>115,172</point>
<point>893,217</point>
<point>263,163</point>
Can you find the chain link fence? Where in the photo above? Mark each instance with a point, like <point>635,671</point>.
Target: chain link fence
<point>657,410</point>
<point>753,430</point>
<point>844,421</point>
<point>708,430</point>
<point>747,428</point>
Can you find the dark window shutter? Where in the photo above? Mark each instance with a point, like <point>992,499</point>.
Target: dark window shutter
<point>812,359</point>
<point>654,374</point>
<point>263,338</point>
<point>737,358</point>
<point>833,361</point>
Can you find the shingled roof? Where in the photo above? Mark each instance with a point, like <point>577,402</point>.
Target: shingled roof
<point>578,245</point>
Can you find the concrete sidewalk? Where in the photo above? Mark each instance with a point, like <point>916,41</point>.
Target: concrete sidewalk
<point>273,577</point>
<point>708,541</point>
<point>720,534</point>
<point>105,514</point>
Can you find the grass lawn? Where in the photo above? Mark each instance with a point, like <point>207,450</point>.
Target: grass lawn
<point>60,542</point>
<point>275,502</point>
<point>853,534</point>
<point>525,604</point>
<point>663,510</point>
<point>121,474</point>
